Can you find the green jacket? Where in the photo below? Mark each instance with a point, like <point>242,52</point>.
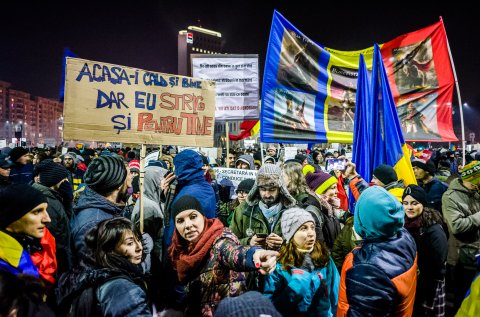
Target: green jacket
<point>461,211</point>
<point>246,217</point>
<point>344,244</point>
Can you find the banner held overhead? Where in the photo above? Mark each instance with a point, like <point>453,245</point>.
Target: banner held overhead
<point>107,102</point>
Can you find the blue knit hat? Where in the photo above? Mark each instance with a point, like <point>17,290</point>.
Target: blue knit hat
<point>378,214</point>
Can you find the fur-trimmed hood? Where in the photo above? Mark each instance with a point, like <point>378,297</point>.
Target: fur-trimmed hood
<point>270,175</point>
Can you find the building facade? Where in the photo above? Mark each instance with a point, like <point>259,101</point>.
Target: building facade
<point>29,119</point>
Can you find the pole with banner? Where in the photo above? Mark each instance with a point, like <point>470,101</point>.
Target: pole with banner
<point>141,179</point>
<point>227,139</point>
<point>457,87</point>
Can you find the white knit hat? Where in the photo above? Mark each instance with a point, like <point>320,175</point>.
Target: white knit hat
<point>292,219</point>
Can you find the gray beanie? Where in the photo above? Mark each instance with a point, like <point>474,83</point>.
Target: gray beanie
<point>105,174</point>
<point>292,219</point>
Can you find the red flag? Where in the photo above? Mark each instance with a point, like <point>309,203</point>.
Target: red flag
<point>249,127</point>
<point>422,83</point>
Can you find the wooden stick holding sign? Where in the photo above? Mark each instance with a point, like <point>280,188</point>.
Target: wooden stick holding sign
<point>227,139</point>
<point>141,178</point>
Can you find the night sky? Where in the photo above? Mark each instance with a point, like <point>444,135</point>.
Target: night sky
<point>143,34</point>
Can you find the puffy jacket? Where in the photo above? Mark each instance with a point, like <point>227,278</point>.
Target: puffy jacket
<point>59,227</point>
<point>379,278</point>
<point>188,169</point>
<point>91,208</point>
<point>250,219</point>
<point>116,294</point>
<point>21,174</point>
<point>461,211</point>
<point>299,292</point>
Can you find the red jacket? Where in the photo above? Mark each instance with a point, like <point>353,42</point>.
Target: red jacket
<point>46,260</point>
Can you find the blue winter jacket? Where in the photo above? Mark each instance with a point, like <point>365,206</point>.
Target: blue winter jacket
<point>91,208</point>
<point>301,293</point>
<point>188,169</point>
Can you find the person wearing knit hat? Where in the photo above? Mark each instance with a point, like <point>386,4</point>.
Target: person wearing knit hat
<point>19,155</point>
<point>385,265</point>
<point>302,159</point>
<point>198,248</point>
<point>134,167</point>
<point>168,161</point>
<point>104,197</point>
<point>105,174</point>
<point>75,174</point>
<point>426,227</point>
<point>383,175</point>
<point>321,182</point>
<point>5,166</point>
<point>268,160</point>
<point>257,220</point>
<point>471,173</point>
<point>22,171</point>
<point>304,271</point>
<point>461,212</point>
<point>26,245</point>
<point>249,304</point>
<point>425,175</point>
<point>53,183</point>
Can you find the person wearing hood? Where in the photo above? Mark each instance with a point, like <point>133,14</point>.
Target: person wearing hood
<point>153,213</point>
<point>268,160</point>
<point>190,180</point>
<point>379,278</point>
<point>107,181</point>
<point>257,220</point>
<point>75,175</point>
<point>245,162</point>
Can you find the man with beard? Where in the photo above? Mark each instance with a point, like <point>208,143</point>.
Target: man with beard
<point>75,175</point>
<point>256,221</point>
<point>107,181</point>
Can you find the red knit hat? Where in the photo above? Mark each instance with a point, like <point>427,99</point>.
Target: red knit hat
<point>135,165</point>
<point>320,181</point>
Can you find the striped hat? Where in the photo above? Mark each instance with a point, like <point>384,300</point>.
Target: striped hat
<point>471,172</point>
<point>105,174</point>
<point>320,181</point>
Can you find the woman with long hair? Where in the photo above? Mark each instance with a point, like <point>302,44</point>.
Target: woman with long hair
<point>305,281</point>
<point>112,272</point>
<point>426,227</point>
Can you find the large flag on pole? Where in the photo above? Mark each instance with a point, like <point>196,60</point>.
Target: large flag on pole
<point>309,90</point>
<point>249,128</point>
<point>388,143</point>
<point>365,118</point>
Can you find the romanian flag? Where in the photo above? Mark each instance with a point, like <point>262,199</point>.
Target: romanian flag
<point>249,128</point>
<point>379,128</point>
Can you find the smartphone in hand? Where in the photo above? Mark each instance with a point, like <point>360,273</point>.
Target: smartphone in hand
<point>336,164</point>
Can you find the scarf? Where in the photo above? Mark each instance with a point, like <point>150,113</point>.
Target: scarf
<point>187,257</point>
<point>272,213</point>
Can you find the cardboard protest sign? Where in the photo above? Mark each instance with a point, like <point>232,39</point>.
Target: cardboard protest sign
<point>106,102</point>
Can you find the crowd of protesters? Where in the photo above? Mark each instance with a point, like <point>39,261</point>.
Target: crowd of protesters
<point>284,243</point>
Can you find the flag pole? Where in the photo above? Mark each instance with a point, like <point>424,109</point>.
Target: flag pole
<point>227,140</point>
<point>460,104</point>
<point>141,180</point>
